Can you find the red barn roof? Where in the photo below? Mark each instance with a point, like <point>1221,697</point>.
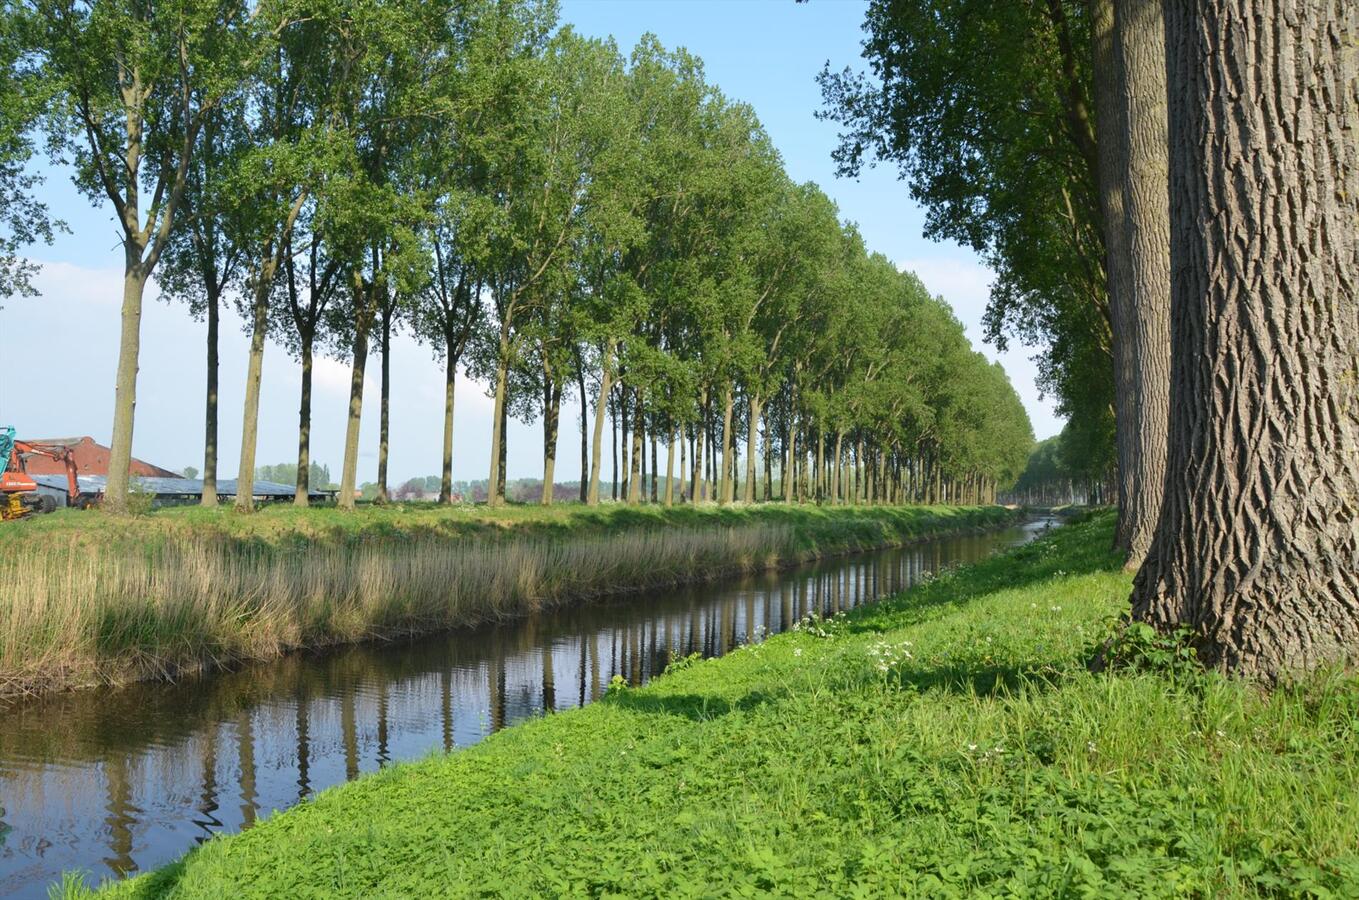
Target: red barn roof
<point>91,459</point>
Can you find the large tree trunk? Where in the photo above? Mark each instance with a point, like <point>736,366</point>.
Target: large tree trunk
<point>695,485</point>
<point>1112,174</point>
<point>635,455</point>
<point>601,410</point>
<point>670,470</point>
<point>385,401</point>
<point>125,381</point>
<point>504,445</point>
<point>725,491</point>
<point>209,497</point>
<point>752,424</point>
<point>450,383</point>
<point>301,494</point>
<point>613,427</point>
<point>502,376</point>
<point>584,441</point>
<point>622,407</point>
<point>1143,318</point>
<point>654,471</point>
<point>1257,550</point>
<point>362,322</point>
<point>552,396</point>
<point>250,419</point>
<point>836,469</point>
<point>683,445</point>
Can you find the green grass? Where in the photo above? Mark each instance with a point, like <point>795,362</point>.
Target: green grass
<point>91,599</point>
<point>285,525</point>
<point>951,742</point>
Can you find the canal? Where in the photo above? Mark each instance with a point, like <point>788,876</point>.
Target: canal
<point>115,782</point>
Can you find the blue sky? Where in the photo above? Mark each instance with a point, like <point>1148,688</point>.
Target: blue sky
<point>763,52</point>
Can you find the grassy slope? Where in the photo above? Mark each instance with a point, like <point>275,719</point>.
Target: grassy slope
<point>986,760</point>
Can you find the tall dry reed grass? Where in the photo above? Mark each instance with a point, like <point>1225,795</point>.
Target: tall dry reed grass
<point>74,615</point>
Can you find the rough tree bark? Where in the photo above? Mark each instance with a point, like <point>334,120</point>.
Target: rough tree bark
<point>1111,168</point>
<point>1257,550</point>
<point>1141,311</point>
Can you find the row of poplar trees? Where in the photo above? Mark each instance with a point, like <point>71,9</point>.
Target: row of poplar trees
<point>545,213</point>
<point>1169,192</point>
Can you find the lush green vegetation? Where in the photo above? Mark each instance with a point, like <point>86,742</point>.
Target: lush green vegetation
<point>549,214</point>
<point>285,526</point>
<point>93,598</point>
<point>951,742</point>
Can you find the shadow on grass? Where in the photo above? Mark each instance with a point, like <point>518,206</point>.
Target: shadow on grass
<point>694,707</point>
<point>1072,550</point>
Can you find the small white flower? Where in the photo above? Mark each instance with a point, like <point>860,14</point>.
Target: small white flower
<point>797,651</point>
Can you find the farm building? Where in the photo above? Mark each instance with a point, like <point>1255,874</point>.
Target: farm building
<point>91,458</point>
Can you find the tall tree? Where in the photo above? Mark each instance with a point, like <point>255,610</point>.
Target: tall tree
<point>373,206</point>
<point>204,257</point>
<point>137,81</point>
<point>563,121</point>
<point>1141,312</point>
<point>273,184</point>
<point>446,313</point>
<point>1258,542</point>
<point>312,282</point>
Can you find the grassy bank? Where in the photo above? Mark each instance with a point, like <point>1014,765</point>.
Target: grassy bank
<point>93,599</point>
<point>949,743</point>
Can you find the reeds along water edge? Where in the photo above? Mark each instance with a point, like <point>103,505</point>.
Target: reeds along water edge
<point>78,614</point>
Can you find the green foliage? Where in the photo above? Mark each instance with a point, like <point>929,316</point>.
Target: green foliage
<point>1136,646</point>
<point>1002,157</point>
<point>23,217</point>
<point>318,475</point>
<point>988,760</point>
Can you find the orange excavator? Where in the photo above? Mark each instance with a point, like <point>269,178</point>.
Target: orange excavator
<point>19,494</point>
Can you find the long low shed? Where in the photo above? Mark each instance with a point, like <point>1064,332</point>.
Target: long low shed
<point>170,491</point>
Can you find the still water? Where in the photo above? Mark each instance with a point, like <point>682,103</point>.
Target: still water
<point>114,782</point>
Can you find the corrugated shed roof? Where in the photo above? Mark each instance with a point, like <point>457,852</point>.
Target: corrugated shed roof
<point>175,487</point>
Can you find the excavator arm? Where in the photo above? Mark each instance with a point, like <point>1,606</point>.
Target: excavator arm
<point>62,454</point>
<point>19,493</point>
